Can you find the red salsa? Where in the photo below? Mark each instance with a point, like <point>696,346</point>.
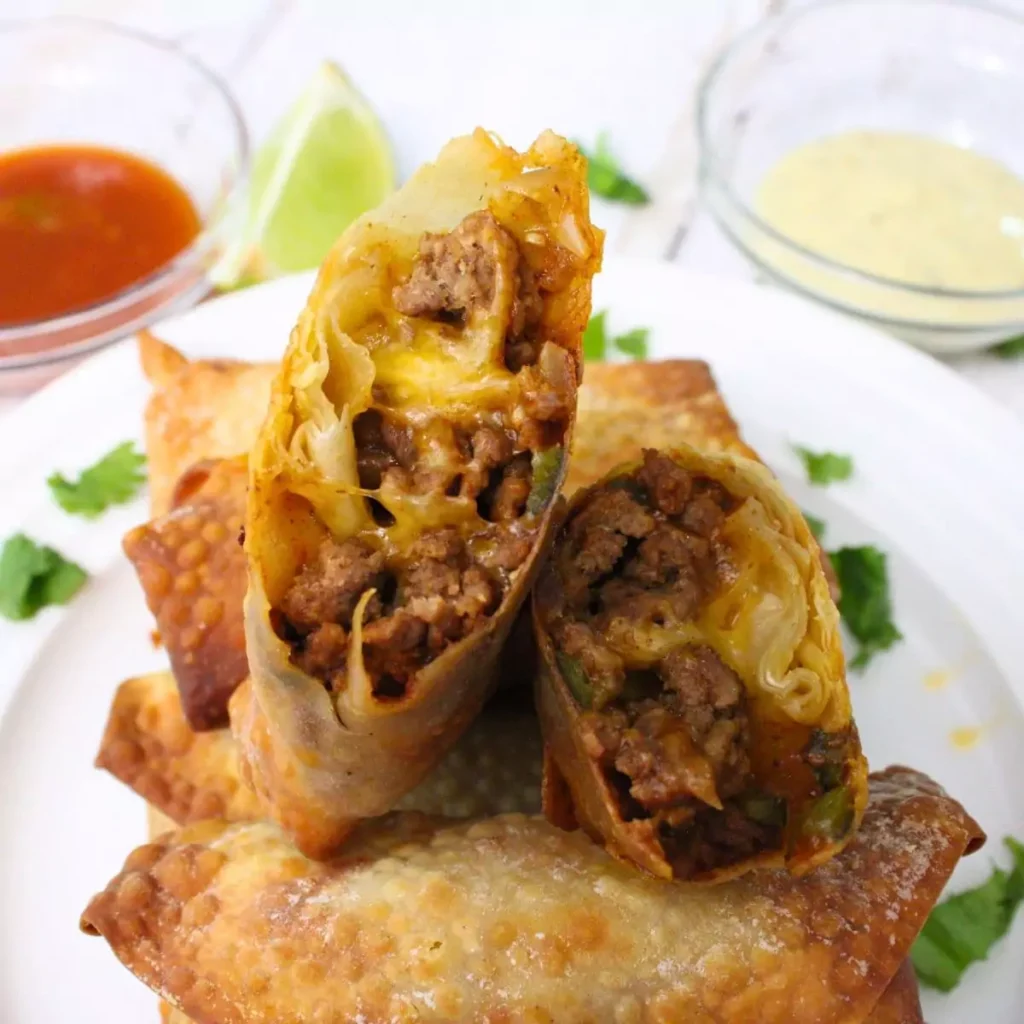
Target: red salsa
<point>78,224</point>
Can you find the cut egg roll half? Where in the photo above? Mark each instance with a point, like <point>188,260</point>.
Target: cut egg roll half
<point>402,484</point>
<point>691,682</point>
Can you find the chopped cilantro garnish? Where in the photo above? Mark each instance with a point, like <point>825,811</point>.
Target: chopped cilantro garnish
<point>607,179</point>
<point>633,343</point>
<point>825,467</point>
<point>865,605</point>
<point>597,342</point>
<point>1012,348</point>
<point>115,479</point>
<point>816,525</point>
<point>33,576</point>
<point>595,338</point>
<point>963,929</point>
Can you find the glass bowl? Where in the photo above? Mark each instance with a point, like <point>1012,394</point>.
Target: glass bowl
<point>75,80</point>
<point>952,70</point>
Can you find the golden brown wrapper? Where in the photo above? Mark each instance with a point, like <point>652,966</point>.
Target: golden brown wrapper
<point>510,918</point>
<point>774,624</point>
<point>188,776</point>
<point>900,1003</point>
<point>192,570</point>
<point>624,407</point>
<point>200,409</point>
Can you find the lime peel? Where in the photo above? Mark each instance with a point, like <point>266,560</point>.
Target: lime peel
<point>327,162</point>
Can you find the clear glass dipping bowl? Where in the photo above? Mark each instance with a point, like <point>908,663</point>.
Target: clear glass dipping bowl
<point>75,80</point>
<point>952,70</point>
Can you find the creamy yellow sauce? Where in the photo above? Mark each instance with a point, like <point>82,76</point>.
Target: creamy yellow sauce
<point>904,207</point>
<point>937,679</point>
<point>966,737</point>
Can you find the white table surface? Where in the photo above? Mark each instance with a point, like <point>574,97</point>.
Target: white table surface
<point>435,69</point>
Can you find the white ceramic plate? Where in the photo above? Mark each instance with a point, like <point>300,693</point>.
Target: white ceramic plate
<point>939,485</point>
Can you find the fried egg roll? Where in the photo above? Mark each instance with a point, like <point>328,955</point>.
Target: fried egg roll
<point>691,683</point>
<point>401,486</point>
<point>511,918</point>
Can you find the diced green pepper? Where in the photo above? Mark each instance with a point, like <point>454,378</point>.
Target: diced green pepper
<point>576,679</point>
<point>764,808</point>
<point>830,816</point>
<point>547,468</point>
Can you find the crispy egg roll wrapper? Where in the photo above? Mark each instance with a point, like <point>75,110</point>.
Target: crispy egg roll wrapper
<point>626,406</point>
<point>404,334</point>
<point>645,769</point>
<point>186,776</point>
<point>200,409</point>
<point>192,570</point>
<point>900,1003</point>
<point>511,918</point>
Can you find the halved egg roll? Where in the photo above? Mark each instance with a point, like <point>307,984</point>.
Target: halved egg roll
<point>510,918</point>
<point>401,487</point>
<point>691,682</point>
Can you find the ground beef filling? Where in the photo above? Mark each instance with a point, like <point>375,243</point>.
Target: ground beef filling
<point>441,595</point>
<point>673,736</point>
<point>452,580</point>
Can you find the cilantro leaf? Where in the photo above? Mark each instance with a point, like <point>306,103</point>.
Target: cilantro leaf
<point>606,178</point>
<point>597,342</point>
<point>1012,348</point>
<point>825,467</point>
<point>33,576</point>
<point>115,479</point>
<point>633,343</point>
<point>962,929</point>
<point>864,604</point>
<point>816,525</point>
<point>595,338</point>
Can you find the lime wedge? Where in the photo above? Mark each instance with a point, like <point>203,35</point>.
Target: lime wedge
<point>326,163</point>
